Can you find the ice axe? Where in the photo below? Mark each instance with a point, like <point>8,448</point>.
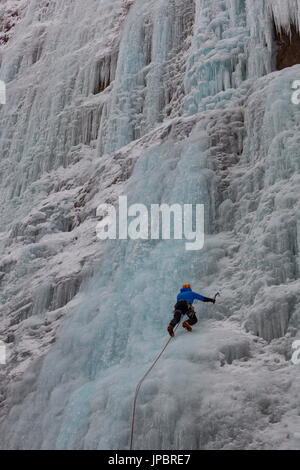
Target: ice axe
<point>215,297</point>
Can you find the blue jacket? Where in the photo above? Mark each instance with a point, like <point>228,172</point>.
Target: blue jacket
<point>189,295</point>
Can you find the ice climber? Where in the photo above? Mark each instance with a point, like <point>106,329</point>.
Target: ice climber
<point>184,306</point>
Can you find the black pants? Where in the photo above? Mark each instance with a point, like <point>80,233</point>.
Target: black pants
<point>192,320</point>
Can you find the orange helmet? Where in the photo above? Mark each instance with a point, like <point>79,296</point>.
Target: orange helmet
<point>186,286</point>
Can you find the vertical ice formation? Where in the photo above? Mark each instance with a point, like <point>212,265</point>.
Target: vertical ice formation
<point>166,101</point>
<point>54,74</point>
<point>232,44</point>
<point>154,38</point>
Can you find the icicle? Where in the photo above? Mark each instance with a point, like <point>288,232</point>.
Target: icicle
<point>285,13</point>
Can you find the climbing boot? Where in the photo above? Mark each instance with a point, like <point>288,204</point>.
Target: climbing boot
<point>187,326</point>
<point>170,330</point>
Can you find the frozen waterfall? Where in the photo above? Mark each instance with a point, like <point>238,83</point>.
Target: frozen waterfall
<point>165,101</point>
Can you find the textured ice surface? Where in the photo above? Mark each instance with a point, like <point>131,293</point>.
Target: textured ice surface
<point>164,101</point>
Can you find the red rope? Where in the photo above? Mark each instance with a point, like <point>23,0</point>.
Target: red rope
<point>139,386</point>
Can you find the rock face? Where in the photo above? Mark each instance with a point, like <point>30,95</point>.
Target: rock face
<point>167,102</point>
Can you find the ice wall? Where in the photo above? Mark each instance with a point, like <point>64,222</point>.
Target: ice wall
<point>54,73</point>
<point>165,102</point>
<point>155,37</point>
